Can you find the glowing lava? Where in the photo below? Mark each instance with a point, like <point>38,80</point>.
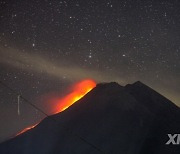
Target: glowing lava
<point>26,129</point>
<point>78,91</point>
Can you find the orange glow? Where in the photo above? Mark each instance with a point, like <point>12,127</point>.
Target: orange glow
<point>79,90</point>
<point>26,129</point>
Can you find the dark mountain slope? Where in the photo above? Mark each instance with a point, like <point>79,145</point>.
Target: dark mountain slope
<point>166,121</point>
<point>109,119</point>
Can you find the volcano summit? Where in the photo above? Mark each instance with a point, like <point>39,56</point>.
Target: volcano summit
<point>133,119</point>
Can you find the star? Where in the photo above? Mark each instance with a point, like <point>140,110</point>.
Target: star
<point>53,44</point>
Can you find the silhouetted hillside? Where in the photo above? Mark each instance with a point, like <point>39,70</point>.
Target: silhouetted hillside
<point>111,118</point>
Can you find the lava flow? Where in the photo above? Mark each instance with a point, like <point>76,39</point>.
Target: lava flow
<point>78,91</point>
<point>26,129</point>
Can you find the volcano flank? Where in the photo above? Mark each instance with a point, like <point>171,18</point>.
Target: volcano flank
<point>131,119</point>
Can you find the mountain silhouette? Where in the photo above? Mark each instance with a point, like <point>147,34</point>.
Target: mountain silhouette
<point>131,119</point>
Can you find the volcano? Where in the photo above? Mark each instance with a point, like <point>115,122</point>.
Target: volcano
<point>131,119</point>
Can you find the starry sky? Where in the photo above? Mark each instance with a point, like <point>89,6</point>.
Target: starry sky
<point>46,46</point>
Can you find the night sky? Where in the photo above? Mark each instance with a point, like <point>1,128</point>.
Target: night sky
<point>46,46</point>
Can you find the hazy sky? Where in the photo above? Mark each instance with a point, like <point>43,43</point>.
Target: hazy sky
<point>45,46</point>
